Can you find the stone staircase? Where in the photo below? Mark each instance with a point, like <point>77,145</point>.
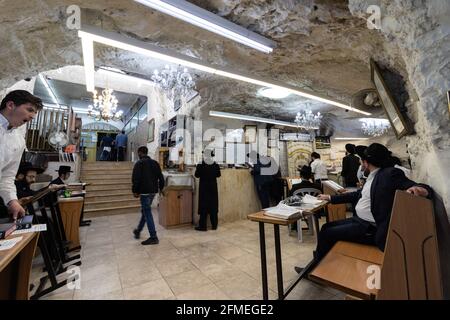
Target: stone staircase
<point>109,189</point>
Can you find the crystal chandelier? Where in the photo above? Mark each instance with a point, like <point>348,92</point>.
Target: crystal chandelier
<point>308,119</point>
<point>173,81</point>
<point>374,127</point>
<point>105,106</point>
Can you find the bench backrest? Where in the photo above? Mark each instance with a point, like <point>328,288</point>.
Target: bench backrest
<point>411,266</point>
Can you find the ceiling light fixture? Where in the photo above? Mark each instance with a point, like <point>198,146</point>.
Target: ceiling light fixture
<point>374,126</point>
<point>209,21</point>
<point>90,34</point>
<point>273,93</point>
<point>251,118</point>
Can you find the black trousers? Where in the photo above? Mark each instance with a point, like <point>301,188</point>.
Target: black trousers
<point>203,216</point>
<point>353,230</point>
<point>121,153</point>
<point>263,191</point>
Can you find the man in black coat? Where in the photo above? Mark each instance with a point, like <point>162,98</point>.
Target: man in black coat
<point>63,175</point>
<point>147,180</point>
<point>374,204</point>
<point>208,201</point>
<point>350,165</point>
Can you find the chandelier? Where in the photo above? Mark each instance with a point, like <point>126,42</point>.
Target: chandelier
<point>105,106</point>
<point>308,120</point>
<point>173,81</point>
<point>374,127</point>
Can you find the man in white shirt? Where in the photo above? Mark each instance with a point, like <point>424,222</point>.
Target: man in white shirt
<point>16,109</point>
<point>374,204</point>
<point>318,168</point>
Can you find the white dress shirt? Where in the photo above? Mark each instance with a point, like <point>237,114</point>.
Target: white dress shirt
<point>319,169</point>
<point>363,209</point>
<point>12,145</point>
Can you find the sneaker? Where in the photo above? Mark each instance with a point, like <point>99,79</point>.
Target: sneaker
<point>200,229</point>
<point>136,233</point>
<point>299,269</point>
<point>150,241</point>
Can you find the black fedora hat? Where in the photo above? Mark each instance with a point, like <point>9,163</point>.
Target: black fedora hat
<point>26,166</point>
<point>377,154</point>
<point>64,169</point>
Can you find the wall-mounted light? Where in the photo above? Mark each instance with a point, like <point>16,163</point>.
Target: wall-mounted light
<point>251,118</point>
<point>209,21</point>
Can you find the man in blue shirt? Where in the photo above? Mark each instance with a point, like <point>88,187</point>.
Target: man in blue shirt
<point>121,145</point>
<point>106,146</point>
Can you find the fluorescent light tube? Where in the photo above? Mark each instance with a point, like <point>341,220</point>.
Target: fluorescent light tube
<point>93,34</point>
<point>209,21</point>
<point>88,59</point>
<point>251,118</point>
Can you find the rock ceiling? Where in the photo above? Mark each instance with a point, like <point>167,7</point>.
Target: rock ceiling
<point>320,47</point>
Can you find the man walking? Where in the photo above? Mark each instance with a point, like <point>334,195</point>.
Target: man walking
<point>16,109</point>
<point>121,145</point>
<point>147,181</point>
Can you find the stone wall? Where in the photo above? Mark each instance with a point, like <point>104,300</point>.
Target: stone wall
<point>420,31</point>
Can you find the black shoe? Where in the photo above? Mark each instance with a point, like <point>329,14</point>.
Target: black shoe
<point>200,229</point>
<point>299,269</point>
<point>150,241</point>
<point>136,233</point>
<point>214,228</point>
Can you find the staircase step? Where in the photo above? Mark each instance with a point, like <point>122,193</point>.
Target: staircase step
<point>92,213</point>
<point>95,197</point>
<point>109,193</point>
<point>109,176</point>
<point>87,172</point>
<point>110,204</point>
<point>105,165</point>
<point>108,187</point>
<point>108,181</point>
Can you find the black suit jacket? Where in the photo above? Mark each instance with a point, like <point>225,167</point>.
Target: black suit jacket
<point>382,193</point>
<point>350,166</point>
<point>147,176</point>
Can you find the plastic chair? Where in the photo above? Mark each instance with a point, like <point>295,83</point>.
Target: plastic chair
<point>309,220</point>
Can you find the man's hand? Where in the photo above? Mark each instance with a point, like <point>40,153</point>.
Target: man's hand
<point>24,199</point>
<point>136,195</point>
<point>418,191</point>
<point>54,187</point>
<point>343,190</point>
<point>15,209</point>
<point>325,197</point>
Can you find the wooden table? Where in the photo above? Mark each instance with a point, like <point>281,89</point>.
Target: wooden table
<point>262,219</point>
<point>15,267</point>
<point>70,209</point>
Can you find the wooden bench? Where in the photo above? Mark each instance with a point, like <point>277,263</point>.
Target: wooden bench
<point>410,267</point>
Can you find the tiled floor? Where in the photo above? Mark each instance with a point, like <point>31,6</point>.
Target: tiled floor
<point>186,264</point>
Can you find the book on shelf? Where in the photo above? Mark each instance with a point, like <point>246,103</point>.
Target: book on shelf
<point>282,211</point>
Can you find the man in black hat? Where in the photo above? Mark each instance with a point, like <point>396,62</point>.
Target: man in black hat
<point>29,177</point>
<point>63,175</point>
<point>373,204</point>
<point>350,165</point>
